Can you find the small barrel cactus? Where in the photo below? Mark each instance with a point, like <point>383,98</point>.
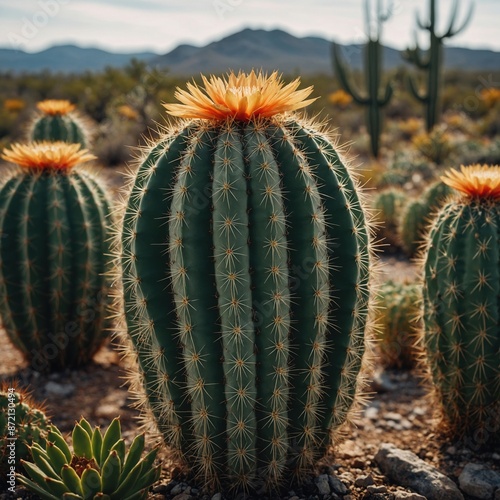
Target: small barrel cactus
<point>54,251</point>
<point>98,468</point>
<point>22,423</point>
<point>388,205</point>
<point>461,304</point>
<point>397,314</point>
<point>417,215</point>
<point>246,273</point>
<point>58,121</point>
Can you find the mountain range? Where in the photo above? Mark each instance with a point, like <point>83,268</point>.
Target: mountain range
<point>246,49</point>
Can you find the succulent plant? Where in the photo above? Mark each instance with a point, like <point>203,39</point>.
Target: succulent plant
<point>388,205</point>
<point>22,423</point>
<point>397,314</point>
<point>57,121</point>
<point>54,251</point>
<point>246,274</point>
<point>98,468</point>
<point>461,304</point>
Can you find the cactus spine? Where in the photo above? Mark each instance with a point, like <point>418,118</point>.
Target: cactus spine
<point>373,74</point>
<point>53,253</point>
<point>461,304</point>
<point>433,63</point>
<point>57,121</point>
<point>242,233</point>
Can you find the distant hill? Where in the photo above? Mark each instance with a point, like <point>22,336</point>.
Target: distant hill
<point>244,50</point>
<point>65,58</point>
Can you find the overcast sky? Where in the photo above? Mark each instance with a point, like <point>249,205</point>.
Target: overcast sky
<point>161,25</point>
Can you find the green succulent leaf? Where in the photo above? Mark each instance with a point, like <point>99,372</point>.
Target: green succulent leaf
<point>111,437</point>
<point>34,472</point>
<point>56,457</point>
<point>97,445</point>
<point>84,423</point>
<point>91,483</point>
<point>72,480</point>
<point>127,485</point>
<point>55,436</point>
<point>111,473</point>
<point>42,460</point>
<point>82,445</point>
<point>134,454</point>
<point>56,487</point>
<point>120,449</point>
<point>72,496</point>
<point>36,488</point>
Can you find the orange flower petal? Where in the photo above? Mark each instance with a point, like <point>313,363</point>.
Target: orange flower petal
<point>476,181</point>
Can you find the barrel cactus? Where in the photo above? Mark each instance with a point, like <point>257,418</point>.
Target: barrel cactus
<point>397,316</point>
<point>22,423</point>
<point>58,121</point>
<point>417,215</point>
<point>246,273</point>
<point>98,468</point>
<point>461,304</point>
<point>54,251</point>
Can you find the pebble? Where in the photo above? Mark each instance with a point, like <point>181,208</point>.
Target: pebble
<point>406,469</point>
<point>322,484</point>
<point>182,496</point>
<point>62,390</point>
<point>177,489</point>
<point>364,481</point>
<point>478,481</point>
<point>382,383</point>
<point>371,413</point>
<point>217,496</point>
<point>336,485</point>
<point>406,495</point>
<point>373,489</point>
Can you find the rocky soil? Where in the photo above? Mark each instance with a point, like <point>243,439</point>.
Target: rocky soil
<point>393,453</point>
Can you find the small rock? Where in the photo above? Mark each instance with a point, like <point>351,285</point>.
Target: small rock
<point>406,469</point>
<point>217,496</point>
<point>359,463</point>
<point>161,488</point>
<point>364,481</point>
<point>376,489</point>
<point>381,382</point>
<point>372,413</point>
<point>336,485</point>
<point>177,489</point>
<point>391,415</point>
<point>495,456</point>
<point>322,484</point>
<point>182,496</point>
<point>107,411</point>
<point>451,450</point>
<point>478,481</point>
<point>406,495</point>
<point>62,390</point>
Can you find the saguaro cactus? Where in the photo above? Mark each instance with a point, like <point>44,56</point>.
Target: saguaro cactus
<point>246,271</point>
<point>461,304</point>
<point>372,99</point>
<point>57,121</point>
<point>54,249</point>
<point>433,63</point>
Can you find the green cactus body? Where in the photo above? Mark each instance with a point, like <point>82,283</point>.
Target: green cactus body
<point>461,314</point>
<point>24,422</point>
<point>388,205</point>
<point>246,265</point>
<point>57,121</point>
<point>417,215</point>
<point>54,251</point>
<point>374,100</point>
<point>398,310</point>
<point>433,63</point>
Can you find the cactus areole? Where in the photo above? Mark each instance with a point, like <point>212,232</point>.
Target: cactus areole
<point>461,304</point>
<point>246,282</point>
<point>54,253</point>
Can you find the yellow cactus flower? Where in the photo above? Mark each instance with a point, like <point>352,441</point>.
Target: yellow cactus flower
<point>55,107</point>
<point>476,181</point>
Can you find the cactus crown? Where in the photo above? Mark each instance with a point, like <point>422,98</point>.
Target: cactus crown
<point>55,107</point>
<point>241,97</point>
<point>47,155</point>
<point>476,181</point>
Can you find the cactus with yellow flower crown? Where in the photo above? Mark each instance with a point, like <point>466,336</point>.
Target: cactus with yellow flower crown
<point>58,121</point>
<point>247,273</point>
<point>54,249</point>
<point>461,304</point>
